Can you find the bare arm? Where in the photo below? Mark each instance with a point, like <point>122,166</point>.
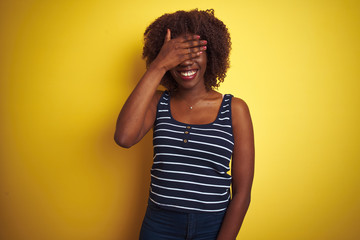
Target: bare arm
<point>131,124</point>
<point>242,170</point>
<point>139,111</point>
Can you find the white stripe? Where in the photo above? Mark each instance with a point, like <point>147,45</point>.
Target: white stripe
<point>187,156</point>
<point>196,183</point>
<point>210,130</point>
<point>225,105</point>
<point>194,174</point>
<point>185,190</point>
<point>171,125</point>
<point>165,110</point>
<point>203,135</point>
<point>168,130</point>
<point>227,100</point>
<point>189,199</point>
<point>210,144</point>
<point>192,149</point>
<point>225,118</point>
<point>198,209</point>
<point>221,125</point>
<point>162,118</point>
<point>162,103</point>
<point>165,98</point>
<point>224,111</point>
<point>186,164</point>
<point>178,139</point>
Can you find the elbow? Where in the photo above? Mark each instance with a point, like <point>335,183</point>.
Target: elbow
<point>122,141</point>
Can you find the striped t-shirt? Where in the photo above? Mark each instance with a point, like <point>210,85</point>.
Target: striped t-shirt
<point>191,162</point>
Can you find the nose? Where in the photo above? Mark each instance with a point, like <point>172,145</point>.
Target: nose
<point>186,63</point>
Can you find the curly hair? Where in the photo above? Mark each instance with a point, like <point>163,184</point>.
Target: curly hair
<point>203,23</point>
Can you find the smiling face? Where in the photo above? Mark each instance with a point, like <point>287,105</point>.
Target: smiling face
<point>190,73</point>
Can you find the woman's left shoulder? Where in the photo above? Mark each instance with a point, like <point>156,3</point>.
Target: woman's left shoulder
<point>240,109</point>
<point>239,104</point>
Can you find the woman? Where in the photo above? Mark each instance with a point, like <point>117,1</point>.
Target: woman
<point>197,131</point>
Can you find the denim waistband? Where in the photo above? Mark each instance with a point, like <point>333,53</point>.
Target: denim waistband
<point>157,207</point>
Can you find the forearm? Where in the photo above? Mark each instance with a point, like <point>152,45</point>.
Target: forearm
<point>234,217</point>
<point>132,115</point>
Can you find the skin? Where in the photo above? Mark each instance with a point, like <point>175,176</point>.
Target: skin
<point>138,114</point>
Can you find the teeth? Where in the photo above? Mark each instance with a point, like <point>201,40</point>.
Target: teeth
<point>188,73</point>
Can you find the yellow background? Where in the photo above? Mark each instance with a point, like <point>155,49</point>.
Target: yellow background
<point>66,68</point>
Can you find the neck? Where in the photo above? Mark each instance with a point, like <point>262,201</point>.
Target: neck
<point>191,95</point>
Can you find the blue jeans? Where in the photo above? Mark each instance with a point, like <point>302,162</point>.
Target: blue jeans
<point>161,224</point>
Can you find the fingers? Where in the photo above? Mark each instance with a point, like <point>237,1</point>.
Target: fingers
<point>194,49</point>
<point>189,54</point>
<point>191,46</point>
<point>187,41</point>
<point>194,44</point>
<point>181,48</point>
<point>194,52</point>
<point>190,37</point>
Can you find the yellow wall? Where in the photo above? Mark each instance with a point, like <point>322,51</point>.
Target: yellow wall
<point>66,68</point>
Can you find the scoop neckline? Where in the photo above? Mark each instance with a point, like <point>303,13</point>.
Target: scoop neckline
<point>189,124</point>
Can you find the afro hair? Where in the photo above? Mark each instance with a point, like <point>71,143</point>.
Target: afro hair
<point>203,23</point>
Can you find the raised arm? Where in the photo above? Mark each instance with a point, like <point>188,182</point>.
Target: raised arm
<point>242,170</point>
<point>138,114</point>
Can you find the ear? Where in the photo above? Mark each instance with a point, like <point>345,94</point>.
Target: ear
<point>168,36</point>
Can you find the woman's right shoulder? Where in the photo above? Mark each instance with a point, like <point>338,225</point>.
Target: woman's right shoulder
<point>158,95</point>
<point>156,98</point>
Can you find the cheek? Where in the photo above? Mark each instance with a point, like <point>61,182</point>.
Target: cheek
<point>203,61</point>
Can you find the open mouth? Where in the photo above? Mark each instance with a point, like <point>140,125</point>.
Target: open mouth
<point>188,74</point>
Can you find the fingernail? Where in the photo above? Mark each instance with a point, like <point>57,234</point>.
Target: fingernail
<point>203,47</point>
<point>204,41</point>
<point>197,37</point>
<point>200,53</point>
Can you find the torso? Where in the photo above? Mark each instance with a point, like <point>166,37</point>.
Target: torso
<point>191,159</point>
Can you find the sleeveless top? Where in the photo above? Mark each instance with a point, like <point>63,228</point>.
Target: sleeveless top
<point>189,172</point>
